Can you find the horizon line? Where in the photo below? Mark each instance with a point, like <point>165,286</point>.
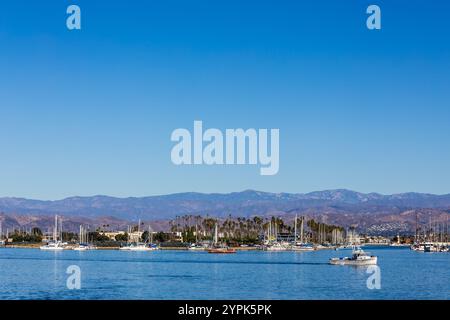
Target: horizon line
<point>223,193</point>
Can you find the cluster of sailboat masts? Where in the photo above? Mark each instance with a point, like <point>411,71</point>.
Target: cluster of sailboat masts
<point>435,239</point>
<point>20,230</point>
<point>57,243</point>
<point>431,246</point>
<point>301,240</point>
<point>137,245</point>
<point>215,247</point>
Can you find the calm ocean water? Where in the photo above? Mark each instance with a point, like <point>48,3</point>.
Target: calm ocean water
<point>405,274</point>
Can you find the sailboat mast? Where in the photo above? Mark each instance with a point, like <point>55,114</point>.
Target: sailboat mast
<point>301,230</point>
<point>216,235</point>
<point>150,234</point>
<point>60,229</point>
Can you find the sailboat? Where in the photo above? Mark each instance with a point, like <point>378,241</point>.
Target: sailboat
<point>55,244</point>
<point>150,243</point>
<point>300,246</point>
<point>196,246</point>
<point>219,248</point>
<point>138,246</point>
<point>84,243</point>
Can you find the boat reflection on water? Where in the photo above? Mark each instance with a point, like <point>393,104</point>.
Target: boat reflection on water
<point>140,246</point>
<point>276,246</point>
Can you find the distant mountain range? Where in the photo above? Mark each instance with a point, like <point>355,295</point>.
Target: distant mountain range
<point>372,212</point>
<point>245,203</point>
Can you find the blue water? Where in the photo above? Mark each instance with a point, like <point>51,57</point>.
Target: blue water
<point>405,274</point>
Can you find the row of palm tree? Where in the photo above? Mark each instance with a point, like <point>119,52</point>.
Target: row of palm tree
<point>246,229</point>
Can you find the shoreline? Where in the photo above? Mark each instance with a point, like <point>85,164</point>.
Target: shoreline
<point>36,246</point>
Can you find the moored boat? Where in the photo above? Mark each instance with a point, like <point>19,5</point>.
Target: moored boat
<point>138,247</point>
<point>55,244</point>
<point>196,247</point>
<point>302,247</point>
<point>219,248</point>
<point>222,250</point>
<point>276,246</point>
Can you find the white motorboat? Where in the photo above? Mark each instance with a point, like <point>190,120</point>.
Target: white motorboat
<point>139,247</point>
<point>418,247</point>
<point>425,247</point>
<point>359,258</point>
<point>301,247</point>
<point>221,250</point>
<point>429,247</point>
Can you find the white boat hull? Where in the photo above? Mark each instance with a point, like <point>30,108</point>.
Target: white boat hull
<point>139,248</point>
<point>349,262</point>
<point>51,248</point>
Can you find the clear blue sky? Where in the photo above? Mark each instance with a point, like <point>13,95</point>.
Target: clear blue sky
<point>91,112</point>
